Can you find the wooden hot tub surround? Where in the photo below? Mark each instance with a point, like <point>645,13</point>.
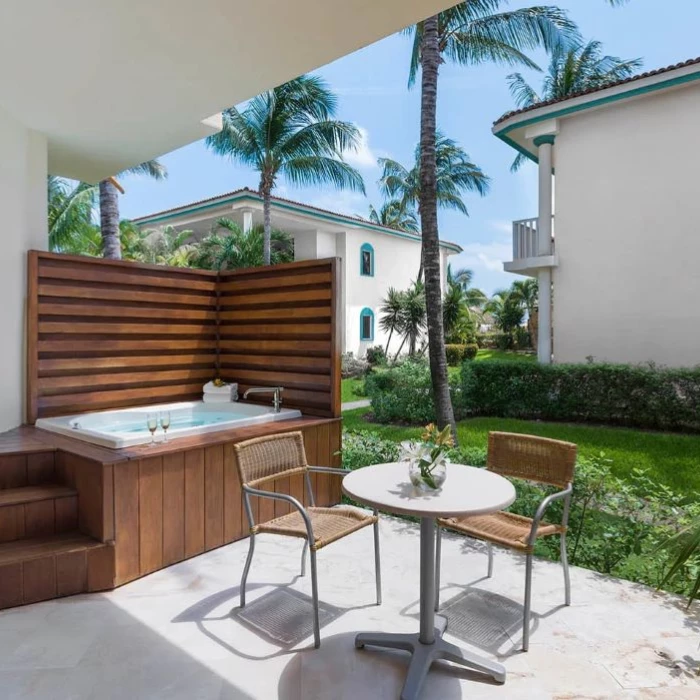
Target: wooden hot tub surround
<point>75,517</point>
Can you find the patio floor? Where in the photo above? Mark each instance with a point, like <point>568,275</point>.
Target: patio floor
<point>174,634</point>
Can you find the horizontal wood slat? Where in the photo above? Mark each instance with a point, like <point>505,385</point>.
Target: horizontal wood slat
<point>106,334</point>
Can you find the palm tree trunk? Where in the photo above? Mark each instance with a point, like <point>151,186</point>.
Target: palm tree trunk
<point>109,221</point>
<point>267,228</point>
<point>430,60</point>
<point>388,342</point>
<point>398,352</point>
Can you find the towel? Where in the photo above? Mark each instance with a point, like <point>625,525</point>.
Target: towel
<point>211,388</point>
<point>216,398</point>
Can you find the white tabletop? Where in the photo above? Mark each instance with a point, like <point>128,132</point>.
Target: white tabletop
<point>466,491</point>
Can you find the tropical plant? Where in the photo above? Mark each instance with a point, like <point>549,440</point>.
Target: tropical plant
<point>571,70</point>
<point>471,32</point>
<point>455,176</point>
<point>527,293</point>
<point>473,296</point>
<point>290,131</point>
<point>685,546</point>
<point>395,214</point>
<point>413,316</point>
<point>457,316</point>
<point>229,247</point>
<point>166,246</point>
<point>109,205</point>
<point>70,216</point>
<point>391,314</point>
<point>507,310</point>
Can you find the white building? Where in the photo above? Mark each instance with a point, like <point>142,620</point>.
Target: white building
<point>623,278</point>
<point>374,258</point>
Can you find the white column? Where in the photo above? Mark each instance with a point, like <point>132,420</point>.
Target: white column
<point>23,169</point>
<point>545,146</point>
<point>247,220</point>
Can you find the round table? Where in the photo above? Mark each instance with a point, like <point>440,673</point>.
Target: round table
<point>467,491</point>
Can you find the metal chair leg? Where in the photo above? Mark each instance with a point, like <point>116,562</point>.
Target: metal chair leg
<point>246,568</point>
<point>565,565</point>
<point>526,607</point>
<point>314,595</point>
<point>490,551</point>
<point>303,557</point>
<point>438,556</point>
<point>377,564</point>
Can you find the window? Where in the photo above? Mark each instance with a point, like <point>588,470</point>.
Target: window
<point>367,260</point>
<point>366,324</point>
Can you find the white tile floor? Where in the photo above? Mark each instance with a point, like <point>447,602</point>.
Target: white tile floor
<point>173,634</point>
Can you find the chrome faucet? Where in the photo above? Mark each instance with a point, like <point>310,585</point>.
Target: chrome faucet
<point>276,394</point>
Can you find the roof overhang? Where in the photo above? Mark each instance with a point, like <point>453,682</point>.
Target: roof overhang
<point>235,201</point>
<point>112,84</point>
<point>522,128</point>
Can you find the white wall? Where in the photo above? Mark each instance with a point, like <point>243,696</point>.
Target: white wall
<point>23,204</point>
<point>627,288</point>
<point>396,264</point>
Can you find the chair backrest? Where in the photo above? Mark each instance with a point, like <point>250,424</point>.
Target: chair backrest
<point>533,458</point>
<point>270,457</point>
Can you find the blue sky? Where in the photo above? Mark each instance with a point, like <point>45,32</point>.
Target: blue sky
<point>371,85</point>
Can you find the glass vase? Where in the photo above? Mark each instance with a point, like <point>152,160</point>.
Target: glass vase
<point>428,476</point>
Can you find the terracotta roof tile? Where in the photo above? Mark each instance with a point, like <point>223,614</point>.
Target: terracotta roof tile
<point>640,76</point>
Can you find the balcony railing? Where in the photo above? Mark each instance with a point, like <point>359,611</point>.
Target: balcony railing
<point>526,240</point>
<point>526,251</point>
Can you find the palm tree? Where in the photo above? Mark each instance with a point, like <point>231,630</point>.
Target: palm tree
<point>507,310</point>
<point>526,292</point>
<point>238,248</point>
<point>473,297</point>
<point>109,205</point>
<point>167,246</point>
<point>571,70</point>
<point>394,214</point>
<point>70,211</point>
<point>469,33</point>
<point>456,175</point>
<point>413,316</point>
<point>290,131</point>
<point>391,314</point>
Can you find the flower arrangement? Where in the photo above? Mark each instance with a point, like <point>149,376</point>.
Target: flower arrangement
<point>427,459</point>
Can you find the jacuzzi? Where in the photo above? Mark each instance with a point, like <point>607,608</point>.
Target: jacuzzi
<point>127,427</point>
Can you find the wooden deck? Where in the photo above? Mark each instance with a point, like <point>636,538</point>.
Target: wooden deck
<point>76,517</point>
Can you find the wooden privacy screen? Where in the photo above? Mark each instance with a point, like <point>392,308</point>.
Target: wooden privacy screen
<point>277,327</point>
<point>106,334</point>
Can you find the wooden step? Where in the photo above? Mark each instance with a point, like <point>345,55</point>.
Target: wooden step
<point>34,494</point>
<point>43,568</point>
<point>36,511</point>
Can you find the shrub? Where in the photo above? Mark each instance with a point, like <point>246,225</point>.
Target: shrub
<point>522,338</point>
<point>362,448</point>
<point>504,341</point>
<point>352,367</point>
<point>455,354</point>
<point>375,355</point>
<point>486,340</point>
<point>470,351</point>
<point>404,393</point>
<point>633,396</point>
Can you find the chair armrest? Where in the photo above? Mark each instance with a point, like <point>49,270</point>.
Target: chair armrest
<point>539,513</point>
<point>329,470</point>
<point>288,499</point>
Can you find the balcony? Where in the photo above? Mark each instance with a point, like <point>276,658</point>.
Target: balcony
<point>526,257</point>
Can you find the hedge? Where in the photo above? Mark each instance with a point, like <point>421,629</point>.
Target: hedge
<point>624,395</point>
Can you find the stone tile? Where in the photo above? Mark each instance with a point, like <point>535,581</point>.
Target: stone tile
<point>175,634</point>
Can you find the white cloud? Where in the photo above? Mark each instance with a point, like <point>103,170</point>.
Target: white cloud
<point>342,202</point>
<point>503,227</point>
<point>363,156</point>
<point>486,256</point>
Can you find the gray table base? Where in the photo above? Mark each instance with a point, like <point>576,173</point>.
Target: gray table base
<point>428,645</point>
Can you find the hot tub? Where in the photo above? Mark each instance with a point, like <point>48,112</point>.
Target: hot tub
<point>127,427</point>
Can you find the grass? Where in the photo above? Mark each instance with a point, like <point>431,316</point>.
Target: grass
<point>671,458</point>
<point>488,355</point>
<point>352,390</point>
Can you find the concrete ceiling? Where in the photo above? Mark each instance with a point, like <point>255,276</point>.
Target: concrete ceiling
<point>112,84</point>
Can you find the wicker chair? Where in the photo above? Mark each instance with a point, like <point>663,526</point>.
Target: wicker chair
<point>532,458</point>
<point>263,460</point>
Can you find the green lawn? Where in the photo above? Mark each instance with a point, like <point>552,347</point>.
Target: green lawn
<point>352,390</point>
<point>487,355</point>
<point>673,459</point>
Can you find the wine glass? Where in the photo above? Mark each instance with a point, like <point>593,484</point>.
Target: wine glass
<point>152,423</point>
<point>165,424</point>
